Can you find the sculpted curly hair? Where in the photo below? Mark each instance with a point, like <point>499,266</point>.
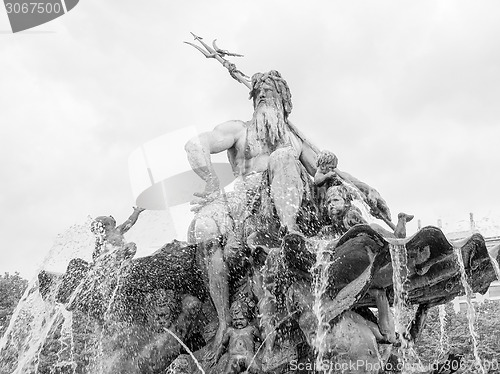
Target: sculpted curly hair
<point>341,191</point>
<point>238,307</point>
<point>327,158</point>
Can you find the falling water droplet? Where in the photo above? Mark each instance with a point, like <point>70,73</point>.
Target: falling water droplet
<point>321,282</point>
<point>471,311</point>
<point>443,339</point>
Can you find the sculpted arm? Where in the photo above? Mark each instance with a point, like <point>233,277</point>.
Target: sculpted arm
<point>308,158</point>
<point>125,226</point>
<point>199,149</point>
<point>320,178</point>
<point>374,200</point>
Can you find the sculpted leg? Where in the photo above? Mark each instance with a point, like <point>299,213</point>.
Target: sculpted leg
<point>286,186</point>
<point>264,284</point>
<point>219,287</point>
<point>207,234</point>
<point>385,318</point>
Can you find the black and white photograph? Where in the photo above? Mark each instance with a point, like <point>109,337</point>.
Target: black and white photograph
<point>265,187</point>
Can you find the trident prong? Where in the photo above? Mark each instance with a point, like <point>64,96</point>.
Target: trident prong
<point>207,47</point>
<point>205,53</point>
<point>219,55</point>
<point>196,37</point>
<point>223,52</point>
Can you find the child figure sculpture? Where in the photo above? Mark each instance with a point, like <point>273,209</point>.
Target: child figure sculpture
<point>109,237</point>
<point>325,172</point>
<point>240,341</point>
<point>342,214</point>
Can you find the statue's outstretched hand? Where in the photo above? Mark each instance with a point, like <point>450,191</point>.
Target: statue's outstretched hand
<point>203,198</point>
<point>139,209</point>
<point>378,206</point>
<point>211,193</point>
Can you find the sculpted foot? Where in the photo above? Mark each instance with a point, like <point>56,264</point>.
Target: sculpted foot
<point>405,217</point>
<point>400,231</point>
<point>385,319</point>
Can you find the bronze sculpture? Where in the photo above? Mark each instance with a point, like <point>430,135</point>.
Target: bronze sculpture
<point>263,151</point>
<point>241,341</point>
<point>258,244</point>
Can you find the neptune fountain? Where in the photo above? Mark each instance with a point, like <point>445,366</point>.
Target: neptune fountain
<point>283,274</point>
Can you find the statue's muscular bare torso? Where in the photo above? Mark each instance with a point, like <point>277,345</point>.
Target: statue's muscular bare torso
<point>248,155</point>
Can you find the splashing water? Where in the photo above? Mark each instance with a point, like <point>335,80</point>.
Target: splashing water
<point>65,355</point>
<point>39,326</point>
<point>76,241</point>
<point>443,339</point>
<point>42,332</point>
<point>270,334</point>
<point>471,311</point>
<point>29,326</point>
<point>105,285</point>
<point>496,267</point>
<point>186,348</point>
<point>24,342</point>
<point>321,282</point>
<point>403,313</point>
<point>28,298</point>
<point>35,320</point>
<point>399,277</point>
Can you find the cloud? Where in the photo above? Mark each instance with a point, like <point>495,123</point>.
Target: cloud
<point>405,93</point>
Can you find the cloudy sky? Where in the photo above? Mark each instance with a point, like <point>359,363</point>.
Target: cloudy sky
<point>405,93</point>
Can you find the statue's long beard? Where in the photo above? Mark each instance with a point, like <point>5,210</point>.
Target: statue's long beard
<point>268,123</point>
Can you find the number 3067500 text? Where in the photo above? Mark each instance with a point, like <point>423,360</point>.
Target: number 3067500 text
<point>39,8</point>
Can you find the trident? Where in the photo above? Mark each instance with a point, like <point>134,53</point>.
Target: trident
<point>219,54</point>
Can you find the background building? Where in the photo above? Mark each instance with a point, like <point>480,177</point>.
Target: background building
<point>492,243</point>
